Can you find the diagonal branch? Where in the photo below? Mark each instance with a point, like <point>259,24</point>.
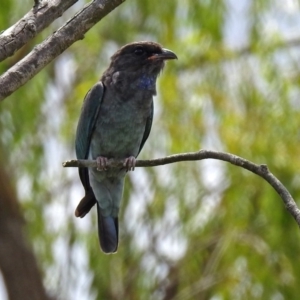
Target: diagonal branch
<point>37,19</point>
<point>59,41</point>
<point>260,170</point>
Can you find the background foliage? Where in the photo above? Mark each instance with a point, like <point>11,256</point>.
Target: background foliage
<point>198,230</point>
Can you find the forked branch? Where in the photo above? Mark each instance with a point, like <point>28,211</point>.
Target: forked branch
<point>72,31</point>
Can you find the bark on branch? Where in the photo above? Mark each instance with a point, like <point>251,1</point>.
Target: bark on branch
<point>59,41</point>
<point>37,19</point>
<point>260,170</point>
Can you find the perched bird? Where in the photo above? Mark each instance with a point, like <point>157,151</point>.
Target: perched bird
<point>115,122</point>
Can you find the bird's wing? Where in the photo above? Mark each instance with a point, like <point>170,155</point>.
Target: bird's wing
<point>147,127</point>
<point>87,120</point>
<point>86,124</point>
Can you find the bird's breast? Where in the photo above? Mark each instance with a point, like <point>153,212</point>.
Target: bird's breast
<point>120,126</point>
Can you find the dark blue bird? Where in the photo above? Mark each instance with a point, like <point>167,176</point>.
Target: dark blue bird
<point>115,122</point>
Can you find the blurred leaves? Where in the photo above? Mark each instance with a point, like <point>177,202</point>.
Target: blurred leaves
<point>202,230</point>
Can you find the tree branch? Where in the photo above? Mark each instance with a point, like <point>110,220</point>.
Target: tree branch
<point>37,19</point>
<point>260,170</point>
<point>59,41</point>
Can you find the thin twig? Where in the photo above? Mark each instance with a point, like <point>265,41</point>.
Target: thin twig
<point>260,170</point>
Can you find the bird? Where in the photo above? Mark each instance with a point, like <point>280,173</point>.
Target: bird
<point>115,122</point>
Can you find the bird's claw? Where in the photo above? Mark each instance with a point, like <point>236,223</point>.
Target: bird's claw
<point>129,163</point>
<point>101,163</point>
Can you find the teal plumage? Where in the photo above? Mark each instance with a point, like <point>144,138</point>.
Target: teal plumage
<point>115,122</point>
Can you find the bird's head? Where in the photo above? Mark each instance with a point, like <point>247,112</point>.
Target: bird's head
<point>147,57</point>
<point>137,64</point>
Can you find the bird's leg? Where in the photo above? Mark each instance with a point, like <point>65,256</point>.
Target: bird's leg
<point>101,163</point>
<point>129,163</point>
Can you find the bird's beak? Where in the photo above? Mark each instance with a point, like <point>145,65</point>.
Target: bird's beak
<point>166,54</point>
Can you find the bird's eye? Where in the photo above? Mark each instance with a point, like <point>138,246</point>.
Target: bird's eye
<point>139,51</point>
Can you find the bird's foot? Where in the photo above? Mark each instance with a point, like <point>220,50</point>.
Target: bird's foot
<point>101,163</point>
<point>129,163</point>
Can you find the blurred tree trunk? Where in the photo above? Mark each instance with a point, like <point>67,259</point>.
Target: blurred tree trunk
<point>22,277</point>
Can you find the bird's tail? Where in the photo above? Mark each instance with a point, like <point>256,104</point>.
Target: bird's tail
<point>108,231</point>
<point>85,204</point>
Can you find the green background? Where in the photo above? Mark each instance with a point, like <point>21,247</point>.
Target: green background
<point>192,230</point>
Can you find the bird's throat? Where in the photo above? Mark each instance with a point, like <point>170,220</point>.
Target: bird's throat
<point>147,82</point>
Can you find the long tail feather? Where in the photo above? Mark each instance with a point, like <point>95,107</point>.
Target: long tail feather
<point>108,231</point>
